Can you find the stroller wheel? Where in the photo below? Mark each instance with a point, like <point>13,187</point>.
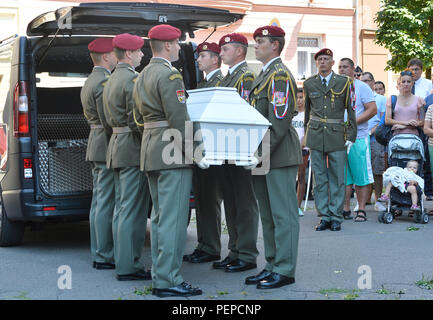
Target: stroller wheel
<point>387,218</point>
<point>424,218</point>
<point>380,217</point>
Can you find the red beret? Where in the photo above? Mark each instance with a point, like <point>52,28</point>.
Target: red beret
<point>164,32</point>
<point>233,37</point>
<point>127,41</point>
<point>206,46</point>
<point>269,31</point>
<point>324,51</point>
<point>101,45</point>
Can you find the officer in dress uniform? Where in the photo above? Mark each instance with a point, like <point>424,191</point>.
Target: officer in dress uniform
<point>161,100</point>
<point>101,210</point>
<point>327,96</point>
<point>207,193</point>
<point>123,155</point>
<point>273,94</point>
<point>240,203</point>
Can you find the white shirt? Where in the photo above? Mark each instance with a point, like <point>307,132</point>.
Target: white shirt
<point>269,63</point>
<point>210,74</point>
<point>328,78</point>
<point>423,87</point>
<point>164,60</point>
<point>232,69</point>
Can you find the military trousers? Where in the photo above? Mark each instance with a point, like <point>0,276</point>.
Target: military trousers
<point>329,183</point>
<point>241,212</point>
<point>170,191</point>
<point>101,214</point>
<point>130,218</point>
<point>278,205</point>
<point>208,200</point>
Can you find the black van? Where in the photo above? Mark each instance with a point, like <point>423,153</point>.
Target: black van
<point>43,134</point>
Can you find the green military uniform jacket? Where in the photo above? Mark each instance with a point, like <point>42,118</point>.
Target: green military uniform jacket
<point>161,96</point>
<point>93,108</point>
<point>214,81</point>
<point>123,148</point>
<point>324,108</point>
<point>241,78</point>
<point>273,94</point>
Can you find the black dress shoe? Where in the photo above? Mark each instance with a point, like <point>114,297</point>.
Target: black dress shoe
<point>104,265</point>
<point>258,277</point>
<point>139,275</point>
<point>199,256</point>
<point>275,280</point>
<point>239,265</point>
<point>323,225</point>
<point>182,290</point>
<point>335,226</point>
<point>222,264</point>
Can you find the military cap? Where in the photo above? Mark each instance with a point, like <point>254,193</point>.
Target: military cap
<point>164,32</point>
<point>101,45</point>
<point>324,51</point>
<point>233,38</point>
<point>269,31</point>
<point>206,46</point>
<point>128,41</point>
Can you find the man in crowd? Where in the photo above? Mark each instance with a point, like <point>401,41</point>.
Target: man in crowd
<point>327,97</point>
<point>358,166</point>
<point>377,150</point>
<point>207,191</point>
<point>275,89</point>
<point>123,156</point>
<point>101,210</point>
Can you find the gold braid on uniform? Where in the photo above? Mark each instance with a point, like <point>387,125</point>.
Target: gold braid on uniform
<point>135,119</point>
<point>247,76</point>
<point>346,86</point>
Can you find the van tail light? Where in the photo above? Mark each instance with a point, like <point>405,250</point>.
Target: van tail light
<point>21,109</point>
<point>28,168</point>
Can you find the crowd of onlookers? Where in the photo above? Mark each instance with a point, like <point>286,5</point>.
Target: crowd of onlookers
<point>408,112</point>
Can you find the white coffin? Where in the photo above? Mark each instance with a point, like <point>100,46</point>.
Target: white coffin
<point>230,127</point>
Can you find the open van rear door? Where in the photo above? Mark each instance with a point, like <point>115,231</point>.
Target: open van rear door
<point>111,18</point>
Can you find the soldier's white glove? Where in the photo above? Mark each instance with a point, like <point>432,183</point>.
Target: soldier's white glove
<point>203,164</point>
<point>349,145</point>
<point>253,163</point>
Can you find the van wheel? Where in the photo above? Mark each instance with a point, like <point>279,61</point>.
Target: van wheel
<point>11,232</point>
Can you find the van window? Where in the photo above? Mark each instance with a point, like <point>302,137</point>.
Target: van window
<point>60,79</point>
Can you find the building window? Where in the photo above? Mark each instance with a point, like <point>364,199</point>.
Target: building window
<point>307,48</point>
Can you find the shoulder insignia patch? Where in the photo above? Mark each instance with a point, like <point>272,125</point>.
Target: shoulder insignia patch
<point>181,96</point>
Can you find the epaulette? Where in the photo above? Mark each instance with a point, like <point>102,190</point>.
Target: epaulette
<point>133,70</point>
<point>312,77</point>
<point>175,74</point>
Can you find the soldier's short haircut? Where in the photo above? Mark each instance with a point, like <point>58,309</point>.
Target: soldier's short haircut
<point>156,45</point>
<point>281,42</point>
<point>243,47</point>
<point>368,74</point>
<point>352,64</point>
<point>120,53</point>
<point>214,54</point>
<point>415,62</point>
<point>96,57</point>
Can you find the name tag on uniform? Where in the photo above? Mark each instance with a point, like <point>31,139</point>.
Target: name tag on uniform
<point>314,95</point>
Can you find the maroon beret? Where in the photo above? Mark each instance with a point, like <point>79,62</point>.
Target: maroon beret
<point>269,31</point>
<point>206,46</point>
<point>164,32</point>
<point>101,45</point>
<point>324,51</point>
<point>128,41</point>
<point>233,37</point>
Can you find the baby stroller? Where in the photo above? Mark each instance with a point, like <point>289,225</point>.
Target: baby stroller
<point>402,148</point>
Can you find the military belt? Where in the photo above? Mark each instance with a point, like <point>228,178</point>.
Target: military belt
<point>155,124</point>
<point>326,120</point>
<point>121,129</point>
<point>96,126</point>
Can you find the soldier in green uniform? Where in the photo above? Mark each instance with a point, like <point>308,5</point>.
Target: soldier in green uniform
<point>273,94</point>
<point>240,203</point>
<point>207,193</point>
<point>327,96</point>
<point>161,99</point>
<point>123,155</point>
<point>101,210</point>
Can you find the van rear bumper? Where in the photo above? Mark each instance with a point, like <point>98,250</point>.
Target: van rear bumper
<point>20,205</point>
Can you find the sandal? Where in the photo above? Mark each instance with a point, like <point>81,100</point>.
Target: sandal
<point>347,215</point>
<point>363,217</point>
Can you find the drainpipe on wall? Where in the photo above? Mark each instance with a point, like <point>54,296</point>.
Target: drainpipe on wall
<point>357,32</point>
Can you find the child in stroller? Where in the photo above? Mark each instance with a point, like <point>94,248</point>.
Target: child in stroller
<point>404,187</point>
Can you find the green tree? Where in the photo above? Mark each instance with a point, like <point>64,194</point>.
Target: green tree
<point>405,28</point>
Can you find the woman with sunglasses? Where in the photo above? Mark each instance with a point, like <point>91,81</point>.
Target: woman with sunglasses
<point>409,109</point>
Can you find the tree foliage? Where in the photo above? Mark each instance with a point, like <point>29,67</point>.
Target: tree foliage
<point>405,28</point>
